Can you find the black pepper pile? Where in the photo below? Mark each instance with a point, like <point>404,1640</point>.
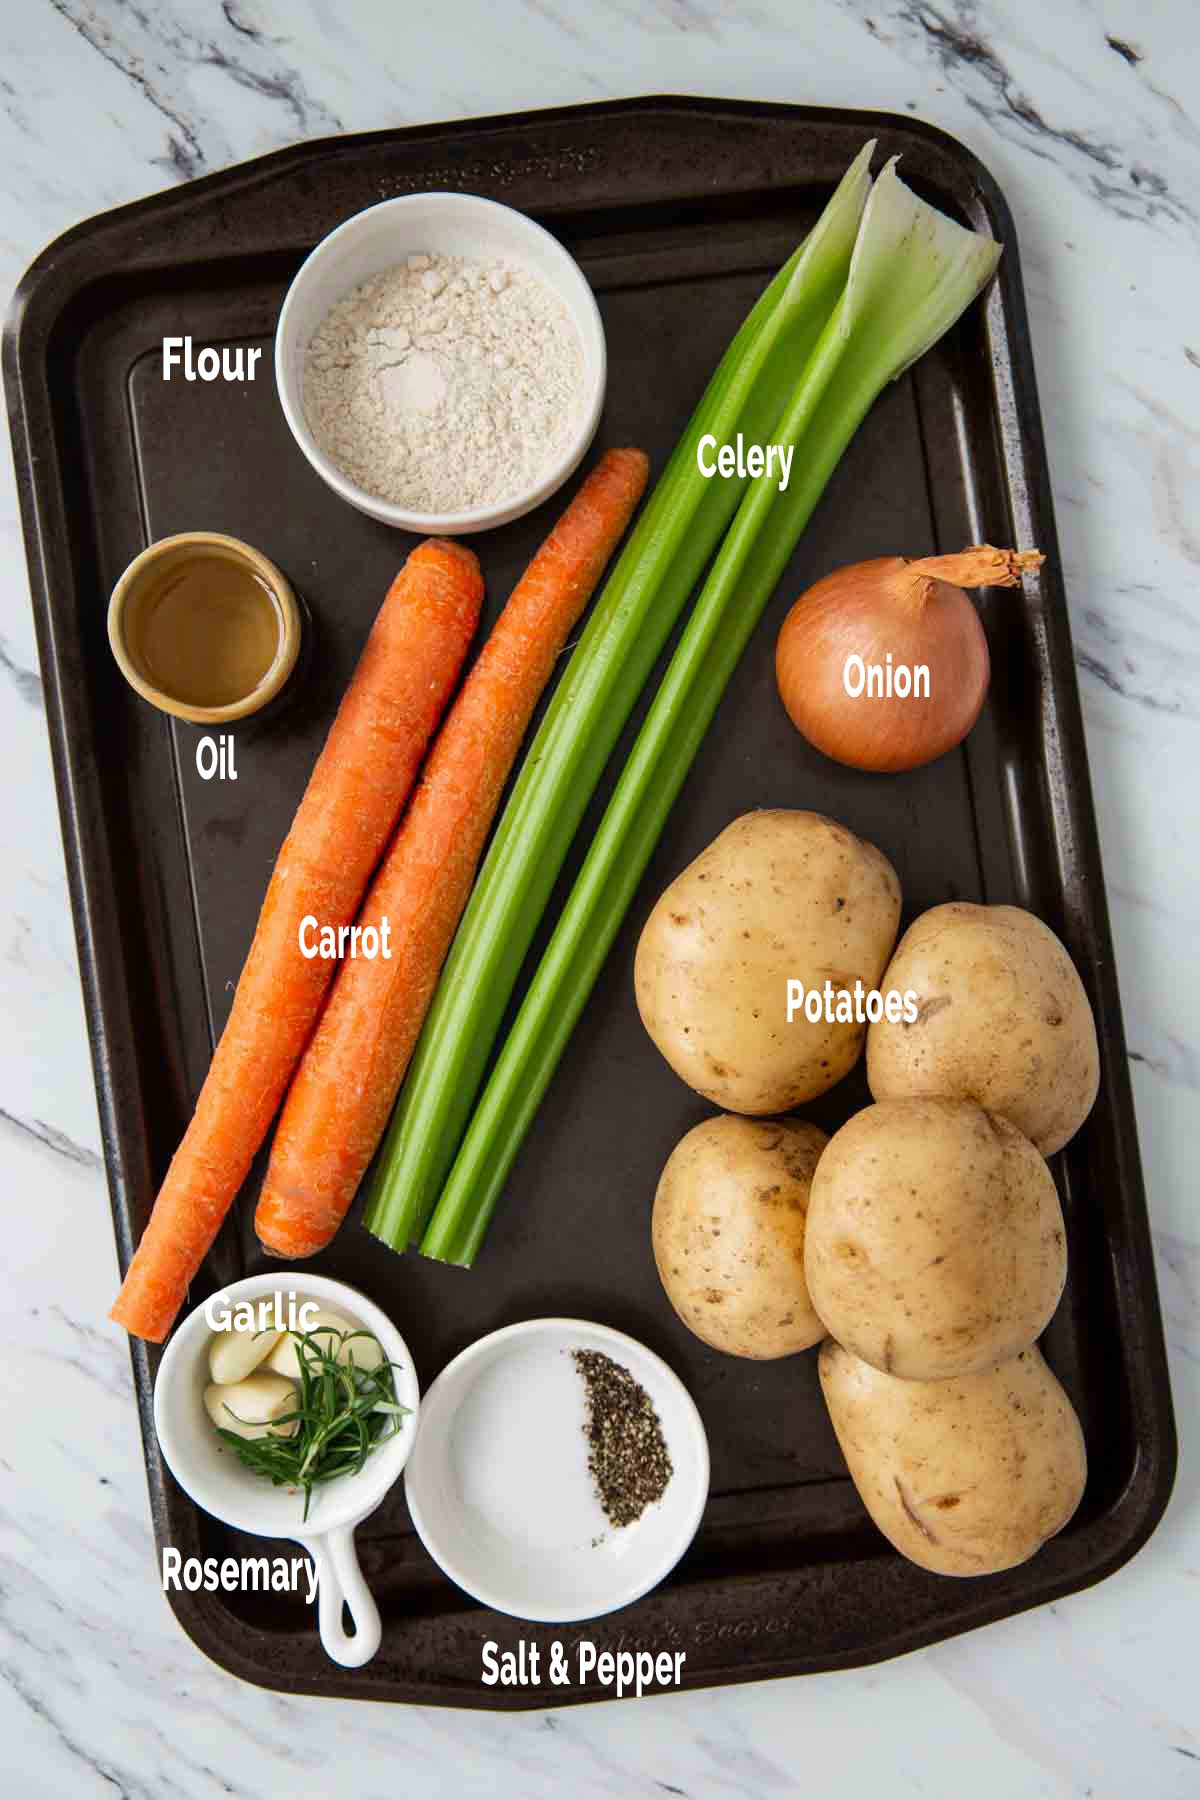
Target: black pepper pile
<point>628,1458</point>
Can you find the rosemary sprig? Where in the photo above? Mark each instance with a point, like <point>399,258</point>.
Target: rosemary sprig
<point>342,1414</point>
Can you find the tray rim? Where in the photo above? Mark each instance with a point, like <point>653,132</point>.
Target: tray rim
<point>57,276</point>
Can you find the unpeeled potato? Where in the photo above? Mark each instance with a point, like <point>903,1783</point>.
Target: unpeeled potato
<point>1002,1018</point>
<point>935,1243</point>
<point>728,1234</point>
<point>965,1477</point>
<point>778,896</point>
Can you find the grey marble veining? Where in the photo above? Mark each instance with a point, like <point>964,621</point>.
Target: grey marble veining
<point>1087,115</point>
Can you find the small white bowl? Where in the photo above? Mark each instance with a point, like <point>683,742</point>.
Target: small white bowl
<point>207,1470</point>
<point>498,1483</point>
<point>449,225</point>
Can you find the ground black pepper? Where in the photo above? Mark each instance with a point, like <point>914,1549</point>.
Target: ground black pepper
<point>628,1457</point>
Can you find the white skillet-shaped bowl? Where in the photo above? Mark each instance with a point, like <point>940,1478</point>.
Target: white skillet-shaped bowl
<point>208,1470</point>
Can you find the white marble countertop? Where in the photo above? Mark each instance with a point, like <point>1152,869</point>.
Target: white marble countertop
<point>1085,112</point>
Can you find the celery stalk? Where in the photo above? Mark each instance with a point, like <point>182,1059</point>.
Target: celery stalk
<point>913,273</point>
<point>667,551</point>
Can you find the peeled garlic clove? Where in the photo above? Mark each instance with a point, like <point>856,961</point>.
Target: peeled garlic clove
<point>234,1354</point>
<point>364,1349</point>
<point>251,1408</point>
<point>328,1329</point>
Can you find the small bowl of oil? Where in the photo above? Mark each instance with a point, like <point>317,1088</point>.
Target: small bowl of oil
<point>204,627</point>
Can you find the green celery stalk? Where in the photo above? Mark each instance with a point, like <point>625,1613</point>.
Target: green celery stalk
<point>673,540</point>
<point>913,273</point>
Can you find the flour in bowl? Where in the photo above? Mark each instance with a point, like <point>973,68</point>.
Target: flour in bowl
<point>444,384</point>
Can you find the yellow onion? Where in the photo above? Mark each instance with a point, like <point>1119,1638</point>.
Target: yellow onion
<point>897,617</point>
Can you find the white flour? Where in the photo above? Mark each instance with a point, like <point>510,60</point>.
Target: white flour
<point>444,384</point>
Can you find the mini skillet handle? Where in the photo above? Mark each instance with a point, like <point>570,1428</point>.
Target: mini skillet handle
<point>339,1579</point>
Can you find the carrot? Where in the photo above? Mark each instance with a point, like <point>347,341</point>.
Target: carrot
<point>362,778</point>
<point>348,1079</point>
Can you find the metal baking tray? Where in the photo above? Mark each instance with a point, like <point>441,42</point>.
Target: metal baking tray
<point>678,210</point>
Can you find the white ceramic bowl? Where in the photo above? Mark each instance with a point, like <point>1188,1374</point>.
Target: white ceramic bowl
<point>207,1470</point>
<point>498,1484</point>
<point>450,225</point>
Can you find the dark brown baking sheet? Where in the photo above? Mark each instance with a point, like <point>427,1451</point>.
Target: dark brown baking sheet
<point>678,211</point>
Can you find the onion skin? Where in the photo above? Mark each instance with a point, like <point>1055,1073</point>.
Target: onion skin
<point>891,605</point>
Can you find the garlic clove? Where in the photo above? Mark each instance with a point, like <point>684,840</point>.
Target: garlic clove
<point>365,1351</point>
<point>234,1354</point>
<point>326,1327</point>
<point>253,1407</point>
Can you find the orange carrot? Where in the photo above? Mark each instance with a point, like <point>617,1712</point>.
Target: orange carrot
<point>362,778</point>
<point>348,1079</point>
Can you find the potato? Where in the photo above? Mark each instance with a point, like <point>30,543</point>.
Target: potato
<point>1002,1019</point>
<point>728,1233</point>
<point>965,1477</point>
<point>935,1242</point>
<point>778,896</point>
